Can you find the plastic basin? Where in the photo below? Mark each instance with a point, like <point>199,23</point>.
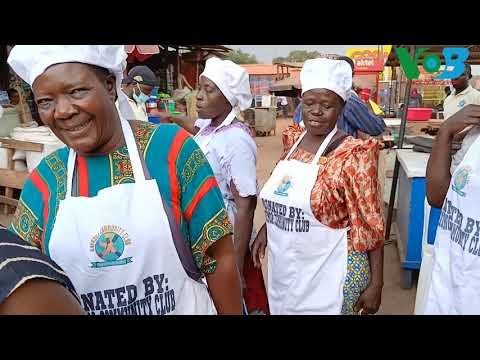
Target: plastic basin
<point>419,114</point>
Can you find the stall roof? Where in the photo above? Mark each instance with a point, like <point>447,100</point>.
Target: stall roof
<point>260,69</point>
<point>287,84</point>
<point>213,48</point>
<point>290,64</point>
<point>473,59</point>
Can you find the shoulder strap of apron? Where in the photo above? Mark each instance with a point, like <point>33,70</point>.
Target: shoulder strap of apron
<point>140,172</point>
<point>320,150</point>
<point>183,249</point>
<point>133,153</point>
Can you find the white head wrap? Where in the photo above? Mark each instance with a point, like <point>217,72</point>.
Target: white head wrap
<point>334,75</point>
<point>232,80</point>
<point>30,61</point>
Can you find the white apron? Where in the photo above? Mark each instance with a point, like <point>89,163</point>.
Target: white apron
<point>425,275</point>
<point>307,261</point>
<point>118,251</point>
<point>455,279</point>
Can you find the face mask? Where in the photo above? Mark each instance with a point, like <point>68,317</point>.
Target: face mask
<point>140,99</point>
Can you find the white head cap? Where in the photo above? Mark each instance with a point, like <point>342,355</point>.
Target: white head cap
<point>334,75</point>
<point>30,61</point>
<point>232,80</point>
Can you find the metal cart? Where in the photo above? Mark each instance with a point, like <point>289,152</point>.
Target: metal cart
<point>265,120</point>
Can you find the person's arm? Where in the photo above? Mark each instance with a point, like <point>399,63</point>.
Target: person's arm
<point>185,122</point>
<point>367,231</point>
<point>243,226</point>
<point>224,282</point>
<point>207,225</point>
<point>438,167</point>
<point>370,300</point>
<point>30,206</point>
<point>359,117</point>
<point>259,246</point>
<point>238,163</point>
<point>41,297</point>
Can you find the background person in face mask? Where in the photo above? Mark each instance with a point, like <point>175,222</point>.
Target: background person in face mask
<point>138,86</point>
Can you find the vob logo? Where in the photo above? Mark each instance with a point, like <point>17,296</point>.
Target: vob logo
<point>454,62</point>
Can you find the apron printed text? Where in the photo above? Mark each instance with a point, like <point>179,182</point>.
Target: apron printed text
<point>159,299</point>
<point>285,218</point>
<point>464,231</point>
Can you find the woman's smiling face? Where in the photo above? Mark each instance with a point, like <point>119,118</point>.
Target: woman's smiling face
<point>77,101</point>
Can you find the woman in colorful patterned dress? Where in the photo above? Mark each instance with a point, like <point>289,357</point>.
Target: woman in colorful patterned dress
<point>324,221</point>
<point>148,190</point>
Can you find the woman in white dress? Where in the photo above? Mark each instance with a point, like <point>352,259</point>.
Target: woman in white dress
<point>231,151</point>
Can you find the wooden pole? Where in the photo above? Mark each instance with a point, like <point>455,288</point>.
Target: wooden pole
<point>179,68</point>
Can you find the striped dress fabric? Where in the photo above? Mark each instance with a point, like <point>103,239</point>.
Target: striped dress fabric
<point>184,178</point>
<point>21,262</point>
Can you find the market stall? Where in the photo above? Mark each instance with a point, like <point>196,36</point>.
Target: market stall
<point>408,179</point>
<point>177,68</point>
<point>369,64</point>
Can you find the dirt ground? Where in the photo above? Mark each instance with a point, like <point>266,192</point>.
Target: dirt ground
<point>395,299</point>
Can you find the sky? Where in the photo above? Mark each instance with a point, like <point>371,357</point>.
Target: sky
<point>265,53</point>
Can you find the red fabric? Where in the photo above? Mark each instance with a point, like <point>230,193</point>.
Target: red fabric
<point>175,148</point>
<point>255,294</point>
<point>208,185</point>
<point>189,70</point>
<point>137,55</point>
<point>82,176</point>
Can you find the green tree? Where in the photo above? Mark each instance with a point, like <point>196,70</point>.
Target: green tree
<point>297,56</point>
<point>240,57</point>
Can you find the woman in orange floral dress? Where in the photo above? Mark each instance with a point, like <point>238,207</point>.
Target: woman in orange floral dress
<point>344,195</point>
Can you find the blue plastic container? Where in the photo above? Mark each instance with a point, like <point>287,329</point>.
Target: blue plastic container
<point>154,119</point>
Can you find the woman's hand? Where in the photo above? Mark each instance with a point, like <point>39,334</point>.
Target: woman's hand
<point>469,115</point>
<point>259,245</point>
<point>369,301</point>
<point>224,282</point>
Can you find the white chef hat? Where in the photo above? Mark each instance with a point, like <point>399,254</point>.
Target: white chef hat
<point>30,61</point>
<point>232,80</point>
<point>334,75</point>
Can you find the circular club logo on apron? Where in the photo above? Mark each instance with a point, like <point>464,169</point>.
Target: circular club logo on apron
<point>109,245</point>
<point>461,179</point>
<point>283,187</point>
